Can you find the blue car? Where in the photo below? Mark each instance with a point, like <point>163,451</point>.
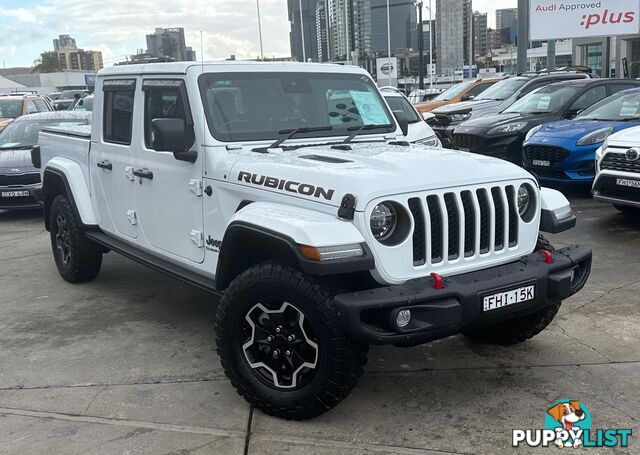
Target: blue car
<point>564,151</point>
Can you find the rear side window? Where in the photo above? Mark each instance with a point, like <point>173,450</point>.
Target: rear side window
<point>591,96</point>
<point>41,105</point>
<point>119,95</point>
<point>164,98</point>
<point>615,88</point>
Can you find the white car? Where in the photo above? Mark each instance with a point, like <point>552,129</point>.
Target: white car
<point>618,171</point>
<point>418,130</point>
<point>289,190</point>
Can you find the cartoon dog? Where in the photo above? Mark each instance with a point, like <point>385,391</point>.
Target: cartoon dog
<point>567,414</point>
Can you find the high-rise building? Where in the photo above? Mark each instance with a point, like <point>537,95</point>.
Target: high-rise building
<point>492,39</point>
<point>467,23</point>
<point>169,42</point>
<point>303,27</point>
<point>402,21</point>
<point>452,31</point>
<point>72,58</point>
<point>322,30</point>
<point>507,25</point>
<point>479,34</point>
<point>349,28</point>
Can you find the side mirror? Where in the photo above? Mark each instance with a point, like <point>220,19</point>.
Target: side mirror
<point>170,135</point>
<point>35,157</point>
<point>468,97</point>
<point>426,116</point>
<point>572,113</point>
<point>403,121</point>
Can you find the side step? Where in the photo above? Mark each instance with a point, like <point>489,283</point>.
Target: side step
<point>153,262</point>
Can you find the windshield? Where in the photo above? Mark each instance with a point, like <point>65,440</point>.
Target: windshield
<point>262,106</point>
<point>25,133</point>
<point>10,108</point>
<point>616,108</point>
<point>400,103</point>
<point>452,92</point>
<point>544,100</point>
<point>502,90</point>
<point>85,104</point>
<point>69,94</point>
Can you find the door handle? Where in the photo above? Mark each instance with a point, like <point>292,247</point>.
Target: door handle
<point>143,173</point>
<point>104,164</point>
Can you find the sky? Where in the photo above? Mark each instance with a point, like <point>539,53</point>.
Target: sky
<point>118,27</point>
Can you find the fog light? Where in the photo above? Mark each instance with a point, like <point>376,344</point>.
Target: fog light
<point>403,318</point>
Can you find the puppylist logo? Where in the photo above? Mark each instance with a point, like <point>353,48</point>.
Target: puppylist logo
<point>568,424</point>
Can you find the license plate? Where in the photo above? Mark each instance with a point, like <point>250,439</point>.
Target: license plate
<point>542,163</point>
<point>628,182</point>
<point>506,298</point>
<point>464,149</point>
<point>14,193</point>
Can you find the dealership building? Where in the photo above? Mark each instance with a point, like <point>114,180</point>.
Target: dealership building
<point>617,56</point>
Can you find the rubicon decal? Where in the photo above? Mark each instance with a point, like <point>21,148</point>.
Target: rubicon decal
<point>291,186</point>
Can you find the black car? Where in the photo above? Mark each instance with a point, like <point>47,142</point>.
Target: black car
<point>495,99</point>
<point>501,135</point>
<point>19,180</point>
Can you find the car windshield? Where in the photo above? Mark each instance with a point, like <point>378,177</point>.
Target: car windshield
<point>25,133</point>
<point>618,107</point>
<point>400,103</point>
<point>269,105</point>
<point>453,91</point>
<point>10,108</point>
<point>69,94</point>
<point>85,104</point>
<point>502,90</point>
<point>544,100</point>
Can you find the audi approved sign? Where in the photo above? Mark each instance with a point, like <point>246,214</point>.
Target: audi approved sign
<point>549,19</point>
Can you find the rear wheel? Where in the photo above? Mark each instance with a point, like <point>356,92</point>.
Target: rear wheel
<point>77,258</point>
<point>281,343</point>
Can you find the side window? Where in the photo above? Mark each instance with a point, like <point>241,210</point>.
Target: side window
<point>591,96</point>
<point>31,107</point>
<point>165,98</point>
<point>478,89</point>
<point>119,95</point>
<point>41,105</point>
<point>531,87</point>
<point>615,88</point>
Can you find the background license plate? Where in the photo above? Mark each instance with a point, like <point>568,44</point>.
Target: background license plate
<point>14,193</point>
<point>502,299</point>
<point>628,182</point>
<point>464,149</point>
<point>542,163</point>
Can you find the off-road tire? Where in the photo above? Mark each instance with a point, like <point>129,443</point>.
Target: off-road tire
<point>85,257</point>
<point>627,210</point>
<point>340,361</point>
<point>517,330</point>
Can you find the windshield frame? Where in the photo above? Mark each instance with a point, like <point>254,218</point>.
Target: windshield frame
<point>497,85</point>
<point>335,131</point>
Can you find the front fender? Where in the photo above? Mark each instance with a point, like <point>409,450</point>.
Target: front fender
<point>75,184</point>
<point>555,213</point>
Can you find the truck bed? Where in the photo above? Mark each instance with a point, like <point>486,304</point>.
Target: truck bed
<point>66,143</point>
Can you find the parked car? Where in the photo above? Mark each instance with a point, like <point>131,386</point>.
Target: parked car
<point>462,91</point>
<point>85,104</point>
<point>493,100</point>
<point>418,130</point>
<point>67,99</point>
<point>564,151</point>
<point>617,178</point>
<point>285,190</point>
<point>13,106</point>
<point>19,179</point>
<point>54,95</point>
<point>502,135</point>
<point>424,95</point>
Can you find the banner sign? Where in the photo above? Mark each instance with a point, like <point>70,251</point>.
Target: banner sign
<point>558,19</point>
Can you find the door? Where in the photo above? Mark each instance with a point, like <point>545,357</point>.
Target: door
<point>169,190</point>
<point>112,159</point>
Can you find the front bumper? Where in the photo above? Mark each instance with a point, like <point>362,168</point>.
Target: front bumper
<point>31,201</point>
<point>605,189</point>
<point>505,147</point>
<point>578,167</point>
<point>369,316</point>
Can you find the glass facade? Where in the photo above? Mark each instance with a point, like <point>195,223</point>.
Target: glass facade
<point>592,56</point>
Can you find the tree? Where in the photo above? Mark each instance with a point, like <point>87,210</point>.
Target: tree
<point>47,63</point>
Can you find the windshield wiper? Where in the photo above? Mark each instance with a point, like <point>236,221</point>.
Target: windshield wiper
<point>293,132</point>
<point>357,129</point>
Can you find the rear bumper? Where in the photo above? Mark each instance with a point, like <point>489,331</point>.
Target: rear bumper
<point>369,316</point>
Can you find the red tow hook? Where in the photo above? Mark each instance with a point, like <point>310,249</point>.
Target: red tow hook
<point>438,283</point>
<point>548,256</point>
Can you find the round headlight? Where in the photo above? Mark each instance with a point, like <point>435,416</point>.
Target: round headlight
<point>524,199</point>
<point>383,221</point>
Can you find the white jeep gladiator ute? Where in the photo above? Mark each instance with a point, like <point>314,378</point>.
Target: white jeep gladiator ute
<point>287,189</point>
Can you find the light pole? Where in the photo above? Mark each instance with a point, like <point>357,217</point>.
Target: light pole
<point>388,43</point>
<point>304,54</point>
<point>419,4</point>
<point>260,30</point>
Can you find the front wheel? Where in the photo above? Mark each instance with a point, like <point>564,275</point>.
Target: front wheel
<point>281,343</point>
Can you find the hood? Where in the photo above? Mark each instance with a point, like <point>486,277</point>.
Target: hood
<point>576,129</point>
<point>368,171</point>
<point>430,105</point>
<point>626,137</point>
<point>465,106</point>
<point>495,120</point>
<point>16,161</point>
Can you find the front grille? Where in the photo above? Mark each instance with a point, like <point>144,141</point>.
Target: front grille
<point>467,141</point>
<point>441,120</point>
<point>465,223</point>
<point>618,162</point>
<point>19,179</point>
<point>554,155</point>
